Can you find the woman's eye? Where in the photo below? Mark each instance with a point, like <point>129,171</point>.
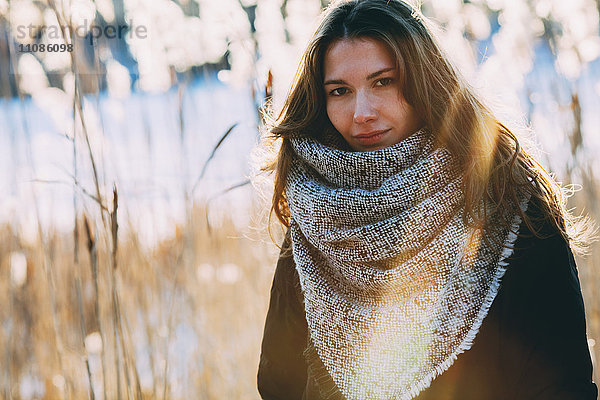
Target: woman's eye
<point>384,81</point>
<point>338,91</point>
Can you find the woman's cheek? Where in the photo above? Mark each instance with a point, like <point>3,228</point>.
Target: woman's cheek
<point>334,112</point>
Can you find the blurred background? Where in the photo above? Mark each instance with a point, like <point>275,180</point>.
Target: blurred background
<point>135,260</point>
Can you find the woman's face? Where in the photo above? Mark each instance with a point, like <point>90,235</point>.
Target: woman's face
<point>364,95</point>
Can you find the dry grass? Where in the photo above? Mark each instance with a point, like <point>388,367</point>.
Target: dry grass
<point>183,320</point>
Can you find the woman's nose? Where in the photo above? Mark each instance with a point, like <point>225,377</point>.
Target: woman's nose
<point>364,110</point>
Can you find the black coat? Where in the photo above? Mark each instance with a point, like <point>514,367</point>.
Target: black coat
<point>531,345</point>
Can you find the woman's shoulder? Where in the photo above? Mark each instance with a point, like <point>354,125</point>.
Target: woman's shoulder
<point>286,279</point>
<point>541,311</point>
<point>539,234</point>
<point>541,275</point>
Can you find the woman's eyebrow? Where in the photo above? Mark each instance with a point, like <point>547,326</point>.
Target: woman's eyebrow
<point>369,77</point>
<point>334,82</point>
<point>381,71</point>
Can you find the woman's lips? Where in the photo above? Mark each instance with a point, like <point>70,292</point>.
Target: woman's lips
<point>370,138</point>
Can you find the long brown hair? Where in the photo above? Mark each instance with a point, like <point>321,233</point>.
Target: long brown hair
<point>497,171</point>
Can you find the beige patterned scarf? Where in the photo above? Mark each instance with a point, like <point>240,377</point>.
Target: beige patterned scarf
<point>395,284</point>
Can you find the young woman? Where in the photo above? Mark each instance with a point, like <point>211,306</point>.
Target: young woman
<point>428,256</point>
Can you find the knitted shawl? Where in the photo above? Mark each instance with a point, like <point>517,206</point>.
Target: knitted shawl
<point>395,283</point>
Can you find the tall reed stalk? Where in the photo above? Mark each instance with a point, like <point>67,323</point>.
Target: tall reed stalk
<point>77,264</point>
<point>48,270</point>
